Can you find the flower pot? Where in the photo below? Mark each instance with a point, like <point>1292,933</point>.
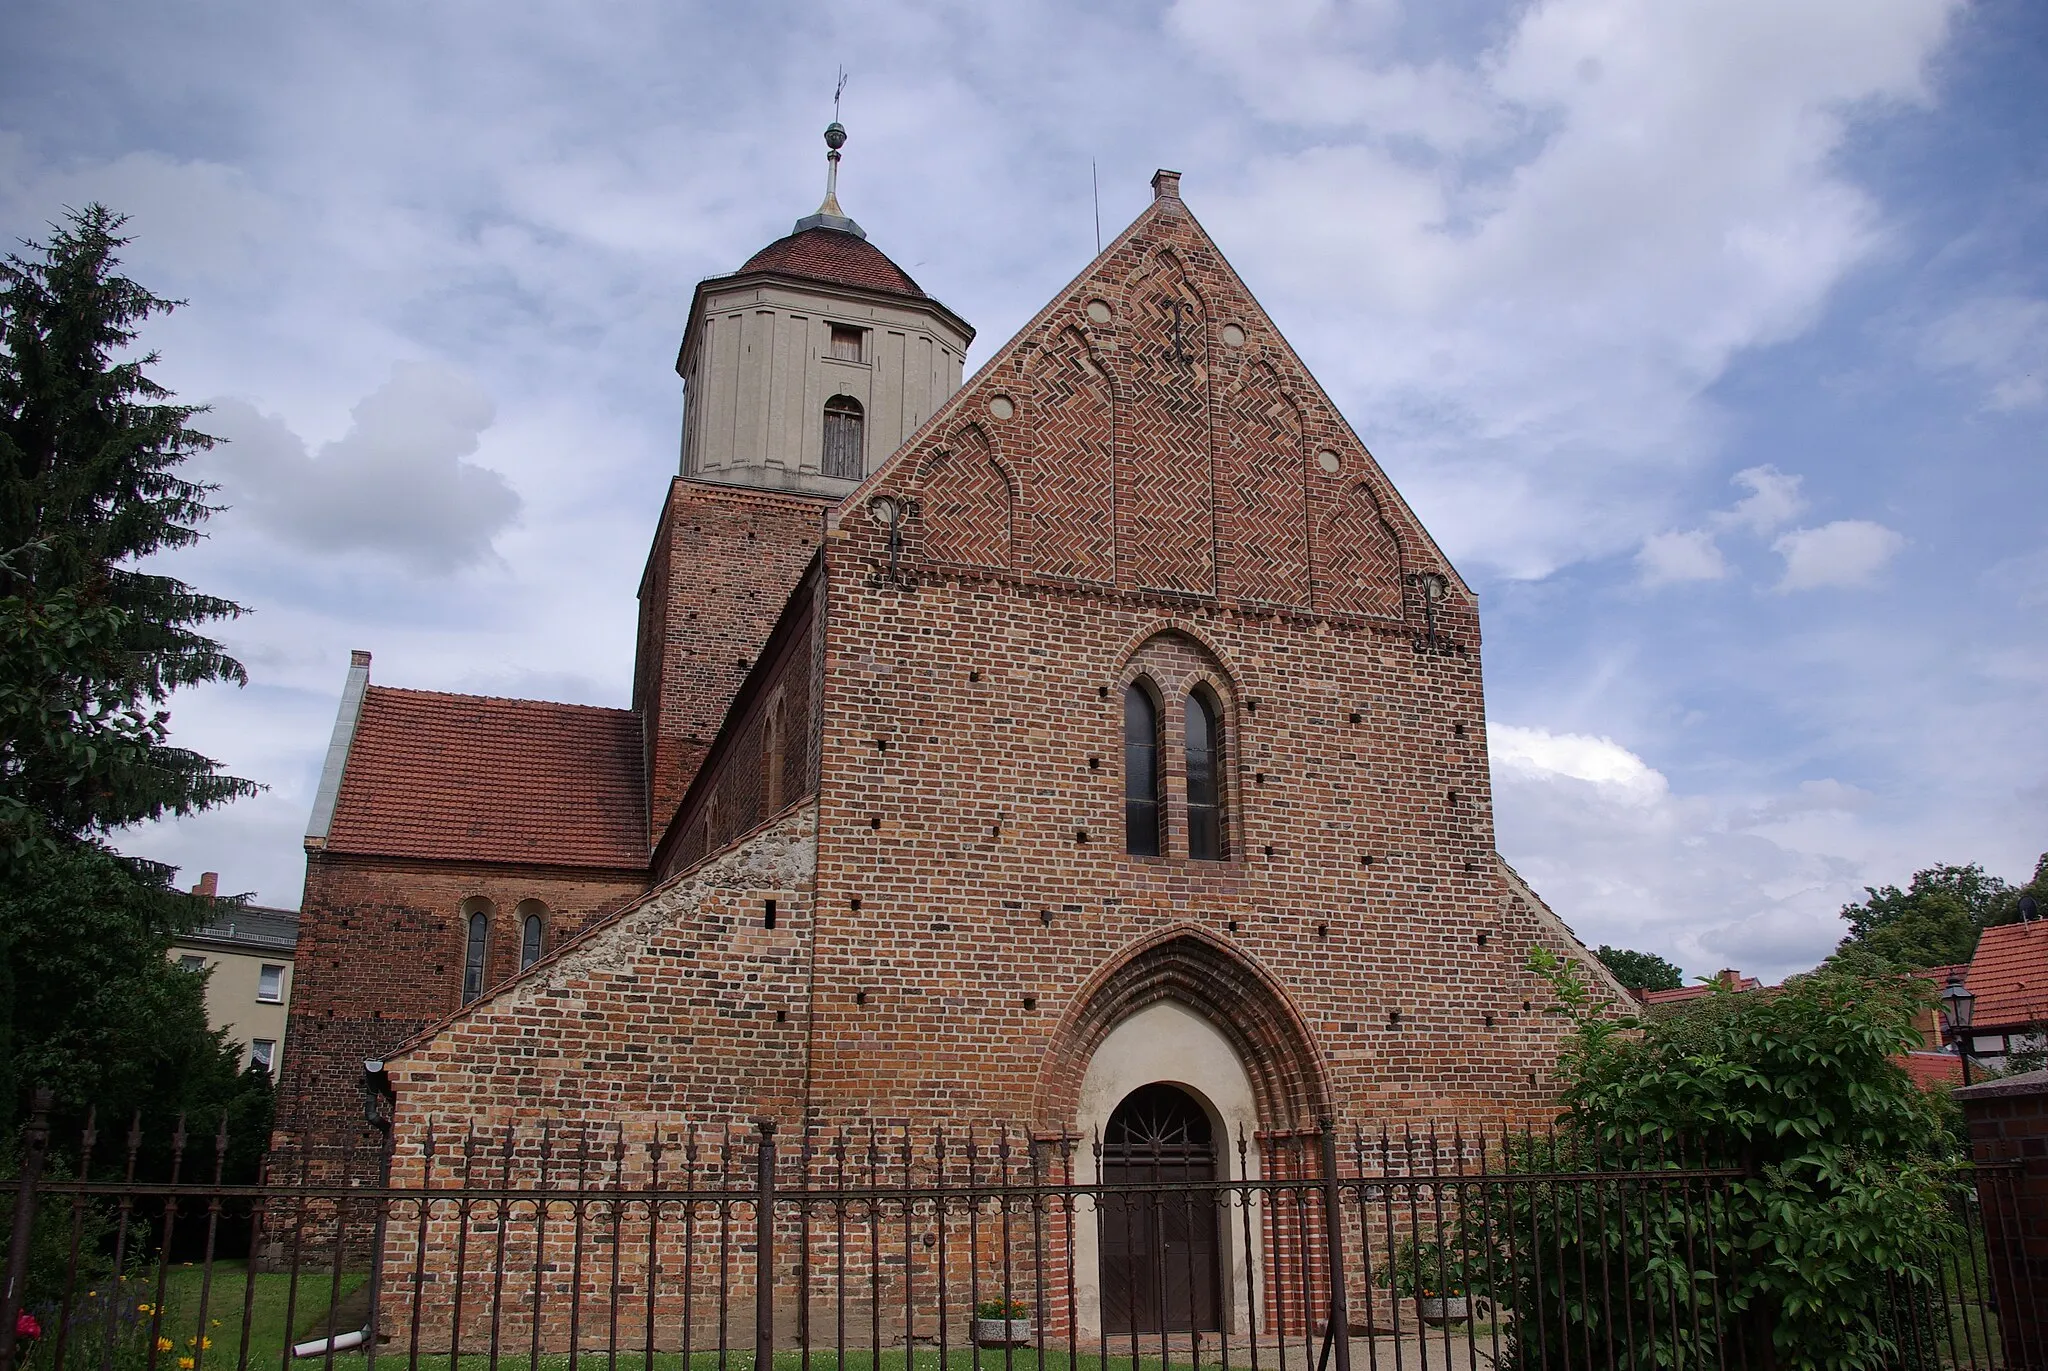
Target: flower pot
<point>1002,1332</point>
<point>1444,1309</point>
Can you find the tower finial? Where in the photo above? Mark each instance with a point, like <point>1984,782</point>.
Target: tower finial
<point>829,214</point>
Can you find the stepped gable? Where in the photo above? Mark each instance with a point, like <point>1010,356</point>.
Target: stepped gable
<point>834,257</point>
<point>480,779</point>
<point>1151,431</point>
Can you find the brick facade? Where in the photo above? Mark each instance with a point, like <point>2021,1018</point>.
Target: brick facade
<point>885,756</point>
<point>973,924</point>
<point>724,560</point>
<point>382,955</point>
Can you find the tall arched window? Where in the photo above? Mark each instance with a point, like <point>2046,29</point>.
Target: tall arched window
<point>533,931</point>
<point>1141,773</point>
<point>845,444</point>
<point>473,954</point>
<point>1206,829</point>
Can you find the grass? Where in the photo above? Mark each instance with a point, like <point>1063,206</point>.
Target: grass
<point>269,1299</point>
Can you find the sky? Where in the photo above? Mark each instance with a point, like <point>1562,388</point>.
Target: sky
<point>1710,340</point>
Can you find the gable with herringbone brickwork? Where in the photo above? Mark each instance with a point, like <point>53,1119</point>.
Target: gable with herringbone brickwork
<point>1151,431</point>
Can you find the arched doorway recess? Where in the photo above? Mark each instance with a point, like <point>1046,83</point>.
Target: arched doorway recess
<point>1161,1251</point>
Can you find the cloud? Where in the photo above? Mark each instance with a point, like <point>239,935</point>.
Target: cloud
<point>1846,553</point>
<point>1693,555</point>
<point>1773,500</point>
<point>1681,555</point>
<point>1600,762</point>
<point>2003,339</point>
<point>1550,296</point>
<point>1708,880</point>
<point>396,483</point>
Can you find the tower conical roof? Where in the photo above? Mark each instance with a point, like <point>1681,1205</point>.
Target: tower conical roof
<point>835,257</point>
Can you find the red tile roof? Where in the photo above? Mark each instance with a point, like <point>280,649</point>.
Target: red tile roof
<point>2009,976</point>
<point>822,254</point>
<point>1932,1068</point>
<point>475,778</point>
<point>1694,992</point>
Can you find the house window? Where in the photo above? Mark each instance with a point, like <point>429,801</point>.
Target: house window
<point>846,343</point>
<point>1206,834</point>
<point>191,962</point>
<point>530,935</point>
<point>473,957</point>
<point>262,1053</point>
<point>270,985</point>
<point>1141,773</point>
<point>845,447</point>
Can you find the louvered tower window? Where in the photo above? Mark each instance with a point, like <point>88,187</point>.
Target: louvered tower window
<point>845,445</point>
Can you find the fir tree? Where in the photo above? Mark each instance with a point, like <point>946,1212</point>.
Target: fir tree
<point>91,646</point>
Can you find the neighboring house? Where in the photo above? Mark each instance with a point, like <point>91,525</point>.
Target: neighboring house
<point>1931,1065</point>
<point>1663,1000</point>
<point>249,950</point>
<point>2009,976</point>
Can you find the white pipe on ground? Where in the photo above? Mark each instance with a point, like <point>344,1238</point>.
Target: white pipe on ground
<point>341,1342</point>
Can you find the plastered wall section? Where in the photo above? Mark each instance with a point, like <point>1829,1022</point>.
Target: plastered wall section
<point>758,377</point>
<point>684,1010</point>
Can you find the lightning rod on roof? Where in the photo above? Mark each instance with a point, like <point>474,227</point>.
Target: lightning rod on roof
<point>1095,188</point>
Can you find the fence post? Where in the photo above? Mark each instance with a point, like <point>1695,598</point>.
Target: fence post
<point>764,1248</point>
<point>36,1148</point>
<point>2008,1122</point>
<point>1339,1331</point>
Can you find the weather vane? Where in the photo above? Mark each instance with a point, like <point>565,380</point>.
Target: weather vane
<point>837,91</point>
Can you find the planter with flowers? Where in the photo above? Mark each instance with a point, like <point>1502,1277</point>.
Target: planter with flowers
<point>1002,1323</point>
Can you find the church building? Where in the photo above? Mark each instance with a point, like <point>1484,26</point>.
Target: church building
<point>1101,736</point>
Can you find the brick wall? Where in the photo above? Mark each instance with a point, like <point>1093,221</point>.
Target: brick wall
<point>1147,482</point>
<point>2008,1123</point>
<point>380,955</point>
<point>686,1007</point>
<point>723,563</point>
<point>765,756</point>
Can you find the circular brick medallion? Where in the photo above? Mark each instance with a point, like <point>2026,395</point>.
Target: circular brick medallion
<point>1098,310</point>
<point>1001,407</point>
<point>1328,461</point>
<point>1233,336</point>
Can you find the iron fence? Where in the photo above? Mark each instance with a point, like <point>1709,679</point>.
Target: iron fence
<point>890,1247</point>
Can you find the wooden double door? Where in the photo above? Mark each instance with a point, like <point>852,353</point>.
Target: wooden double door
<point>1161,1249</point>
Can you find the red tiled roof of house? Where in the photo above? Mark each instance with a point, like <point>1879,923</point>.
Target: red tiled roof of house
<point>1932,1068</point>
<point>476,778</point>
<point>1694,992</point>
<point>823,254</point>
<point>1941,975</point>
<point>2009,976</point>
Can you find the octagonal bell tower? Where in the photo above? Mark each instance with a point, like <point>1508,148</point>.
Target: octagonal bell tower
<point>809,365</point>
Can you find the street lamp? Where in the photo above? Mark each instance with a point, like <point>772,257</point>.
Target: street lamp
<point>1961,1006</point>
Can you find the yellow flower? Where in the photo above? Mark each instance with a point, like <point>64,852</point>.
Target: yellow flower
<point>184,1364</point>
<point>214,1322</point>
<point>144,1309</point>
<point>163,1344</point>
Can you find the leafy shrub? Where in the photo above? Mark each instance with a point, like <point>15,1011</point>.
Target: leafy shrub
<point>1844,1211</point>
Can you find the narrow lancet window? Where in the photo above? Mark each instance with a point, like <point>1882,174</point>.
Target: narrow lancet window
<point>1141,773</point>
<point>1206,828</point>
<point>845,445</point>
<point>530,942</point>
<point>473,958</point>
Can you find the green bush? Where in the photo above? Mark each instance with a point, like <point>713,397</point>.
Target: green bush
<point>1846,1206</point>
